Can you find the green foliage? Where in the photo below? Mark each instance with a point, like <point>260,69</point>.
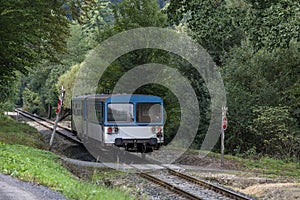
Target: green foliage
<point>78,44</point>
<point>254,79</point>
<point>277,132</point>
<point>7,87</point>
<point>272,24</point>
<point>43,79</point>
<point>219,25</point>
<point>97,20</point>
<point>9,92</point>
<point>32,30</point>
<point>31,101</point>
<point>127,15</point>
<point>130,14</point>
<point>260,42</point>
<point>214,24</point>
<point>35,41</point>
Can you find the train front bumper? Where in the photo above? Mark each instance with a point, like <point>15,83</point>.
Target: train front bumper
<point>123,142</point>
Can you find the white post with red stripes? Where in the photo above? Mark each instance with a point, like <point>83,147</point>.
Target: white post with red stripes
<point>58,110</point>
<point>224,127</point>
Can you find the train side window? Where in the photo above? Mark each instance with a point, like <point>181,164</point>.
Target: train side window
<point>74,107</point>
<point>95,112</point>
<point>99,112</point>
<point>77,108</point>
<point>79,111</point>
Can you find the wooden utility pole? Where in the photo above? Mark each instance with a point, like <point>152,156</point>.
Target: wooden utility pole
<point>58,111</point>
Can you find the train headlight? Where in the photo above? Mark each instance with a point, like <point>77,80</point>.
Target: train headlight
<point>116,129</point>
<point>153,129</point>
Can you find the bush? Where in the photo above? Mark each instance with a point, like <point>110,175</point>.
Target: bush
<point>31,101</point>
<point>276,131</point>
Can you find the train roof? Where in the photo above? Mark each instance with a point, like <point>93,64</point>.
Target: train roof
<point>120,98</point>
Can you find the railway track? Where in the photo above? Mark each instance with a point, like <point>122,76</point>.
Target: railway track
<point>62,130</point>
<point>182,184</point>
<point>190,187</point>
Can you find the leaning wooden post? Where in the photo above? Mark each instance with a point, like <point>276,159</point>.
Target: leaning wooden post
<point>58,111</point>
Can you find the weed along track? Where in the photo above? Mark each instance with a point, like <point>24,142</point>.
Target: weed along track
<point>190,187</point>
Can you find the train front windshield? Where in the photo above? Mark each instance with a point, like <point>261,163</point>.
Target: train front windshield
<point>120,112</point>
<point>144,113</point>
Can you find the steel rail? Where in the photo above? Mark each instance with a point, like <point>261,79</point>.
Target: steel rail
<point>215,188</point>
<point>41,118</point>
<point>169,186</point>
<point>64,131</point>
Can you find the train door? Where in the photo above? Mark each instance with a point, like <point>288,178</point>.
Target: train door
<point>94,119</point>
<point>84,118</point>
<point>77,110</point>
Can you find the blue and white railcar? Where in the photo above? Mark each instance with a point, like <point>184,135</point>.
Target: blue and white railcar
<point>130,121</point>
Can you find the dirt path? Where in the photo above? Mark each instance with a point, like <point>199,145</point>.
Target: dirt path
<point>274,191</point>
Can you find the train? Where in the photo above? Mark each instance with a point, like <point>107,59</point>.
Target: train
<point>134,122</point>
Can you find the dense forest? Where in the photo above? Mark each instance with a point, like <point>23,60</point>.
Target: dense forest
<point>254,43</point>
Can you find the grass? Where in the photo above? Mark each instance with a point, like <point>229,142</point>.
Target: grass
<point>271,166</point>
<point>265,165</point>
<point>19,157</point>
<point>13,132</point>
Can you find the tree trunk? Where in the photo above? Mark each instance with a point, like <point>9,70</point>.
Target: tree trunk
<point>49,111</point>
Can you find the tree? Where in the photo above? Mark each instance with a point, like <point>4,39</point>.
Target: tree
<point>257,53</point>
<point>31,31</point>
<point>272,24</point>
<point>131,14</point>
<point>43,78</point>
<point>219,25</point>
<point>277,132</point>
<point>258,79</point>
<point>67,80</point>
<point>97,20</point>
<point>215,24</point>
<point>32,102</point>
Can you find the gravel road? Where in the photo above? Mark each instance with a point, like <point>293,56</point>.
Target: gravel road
<point>14,189</point>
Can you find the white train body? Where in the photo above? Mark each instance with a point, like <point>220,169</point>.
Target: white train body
<point>122,120</point>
